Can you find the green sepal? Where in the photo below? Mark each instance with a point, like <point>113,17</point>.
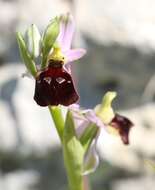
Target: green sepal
<point>91,158</point>
<point>49,37</point>
<point>88,136</point>
<point>25,55</point>
<point>33,41</point>
<point>73,154</point>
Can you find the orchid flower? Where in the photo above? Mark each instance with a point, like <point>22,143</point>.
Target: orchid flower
<point>53,81</point>
<point>54,84</point>
<point>114,122</point>
<point>88,127</point>
<point>103,118</point>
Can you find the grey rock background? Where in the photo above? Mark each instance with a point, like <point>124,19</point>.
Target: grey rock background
<point>119,37</point>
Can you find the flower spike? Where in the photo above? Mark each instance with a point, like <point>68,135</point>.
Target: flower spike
<point>79,129</point>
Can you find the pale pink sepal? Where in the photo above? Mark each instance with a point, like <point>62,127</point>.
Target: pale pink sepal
<point>67,27</point>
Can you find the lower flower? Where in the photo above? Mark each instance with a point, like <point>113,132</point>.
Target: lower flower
<point>114,122</point>
<point>89,123</point>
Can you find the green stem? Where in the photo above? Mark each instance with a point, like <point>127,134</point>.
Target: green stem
<point>80,186</point>
<point>58,119</point>
<point>71,160</point>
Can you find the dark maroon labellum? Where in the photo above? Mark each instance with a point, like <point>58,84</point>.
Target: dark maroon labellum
<point>54,86</point>
<point>123,125</point>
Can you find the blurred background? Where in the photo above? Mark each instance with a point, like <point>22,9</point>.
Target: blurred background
<point>119,36</point>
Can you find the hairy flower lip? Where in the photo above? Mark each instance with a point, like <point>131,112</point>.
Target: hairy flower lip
<point>122,125</point>
<point>55,86</point>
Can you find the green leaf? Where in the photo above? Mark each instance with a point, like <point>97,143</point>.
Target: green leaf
<point>33,41</point>
<point>73,154</point>
<point>25,55</point>
<point>49,37</point>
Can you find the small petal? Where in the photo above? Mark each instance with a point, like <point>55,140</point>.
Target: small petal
<point>84,118</point>
<point>123,125</point>
<point>74,54</point>
<point>93,118</point>
<point>67,27</point>
<point>79,119</point>
<point>75,107</point>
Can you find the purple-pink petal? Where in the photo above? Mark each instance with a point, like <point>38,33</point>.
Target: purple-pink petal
<point>90,115</point>
<point>84,118</point>
<point>80,121</point>
<point>67,27</point>
<point>74,54</point>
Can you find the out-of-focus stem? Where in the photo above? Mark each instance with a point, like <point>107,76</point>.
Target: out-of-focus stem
<point>86,185</point>
<point>81,182</point>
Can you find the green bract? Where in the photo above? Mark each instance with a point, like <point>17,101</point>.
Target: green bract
<point>33,46</point>
<point>73,154</point>
<point>88,136</point>
<point>33,41</point>
<point>49,38</point>
<point>26,55</point>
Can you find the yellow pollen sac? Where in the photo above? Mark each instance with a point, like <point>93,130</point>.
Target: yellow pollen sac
<point>57,55</point>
